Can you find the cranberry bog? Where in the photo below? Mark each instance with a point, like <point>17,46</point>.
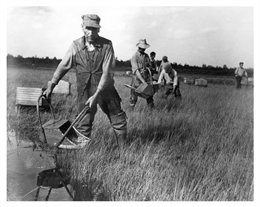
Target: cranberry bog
<point>199,148</point>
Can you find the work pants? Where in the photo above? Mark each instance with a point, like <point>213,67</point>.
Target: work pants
<point>169,90</point>
<point>110,103</point>
<point>238,79</point>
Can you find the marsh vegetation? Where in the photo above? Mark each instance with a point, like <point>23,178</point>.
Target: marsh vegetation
<point>199,148</point>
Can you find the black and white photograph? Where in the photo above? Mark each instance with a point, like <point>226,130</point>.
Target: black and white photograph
<point>130,101</point>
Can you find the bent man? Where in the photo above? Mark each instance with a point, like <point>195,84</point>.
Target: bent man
<point>172,83</point>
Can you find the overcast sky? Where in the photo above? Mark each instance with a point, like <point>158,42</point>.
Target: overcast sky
<point>212,35</point>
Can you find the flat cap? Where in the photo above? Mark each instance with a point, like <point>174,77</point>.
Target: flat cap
<point>91,20</point>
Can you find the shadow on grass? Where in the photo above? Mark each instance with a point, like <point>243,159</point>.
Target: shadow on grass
<point>176,133</point>
<point>92,191</point>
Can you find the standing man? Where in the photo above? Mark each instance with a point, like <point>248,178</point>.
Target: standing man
<point>239,73</point>
<point>153,66</point>
<point>93,57</point>
<point>141,73</point>
<point>172,83</point>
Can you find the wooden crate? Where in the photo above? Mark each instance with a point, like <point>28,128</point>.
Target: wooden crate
<point>247,81</point>
<point>145,90</point>
<point>189,81</point>
<point>201,82</point>
<point>29,96</point>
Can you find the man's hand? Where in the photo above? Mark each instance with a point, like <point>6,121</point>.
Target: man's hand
<point>47,93</point>
<point>92,101</point>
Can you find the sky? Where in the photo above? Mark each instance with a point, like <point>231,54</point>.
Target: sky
<point>194,35</point>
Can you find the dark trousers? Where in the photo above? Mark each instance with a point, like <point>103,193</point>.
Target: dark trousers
<point>110,103</point>
<point>169,90</point>
<point>238,79</point>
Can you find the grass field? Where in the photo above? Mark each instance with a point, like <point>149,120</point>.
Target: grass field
<point>196,149</point>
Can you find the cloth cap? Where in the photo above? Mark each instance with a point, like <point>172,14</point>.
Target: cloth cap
<point>142,44</point>
<point>91,20</point>
<point>165,58</point>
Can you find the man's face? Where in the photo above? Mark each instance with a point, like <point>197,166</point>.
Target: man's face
<point>141,50</point>
<point>241,65</point>
<point>152,57</point>
<point>90,33</point>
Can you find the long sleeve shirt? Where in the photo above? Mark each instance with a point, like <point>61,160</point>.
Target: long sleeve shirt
<point>171,78</point>
<point>241,72</point>
<point>141,63</point>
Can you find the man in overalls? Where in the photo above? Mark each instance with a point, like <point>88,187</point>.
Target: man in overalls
<point>93,57</point>
<point>140,62</point>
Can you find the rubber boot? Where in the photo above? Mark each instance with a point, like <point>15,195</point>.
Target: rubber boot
<point>119,125</point>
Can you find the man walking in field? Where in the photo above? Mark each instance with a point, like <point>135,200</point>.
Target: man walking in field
<point>172,83</point>
<point>239,73</point>
<point>141,73</point>
<point>93,57</point>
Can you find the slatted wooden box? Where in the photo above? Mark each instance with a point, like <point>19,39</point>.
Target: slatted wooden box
<point>201,82</point>
<point>29,97</point>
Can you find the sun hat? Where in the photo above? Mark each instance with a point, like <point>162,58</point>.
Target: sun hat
<point>142,44</point>
<point>91,20</point>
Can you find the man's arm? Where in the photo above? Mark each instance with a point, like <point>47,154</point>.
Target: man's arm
<point>236,71</point>
<point>175,79</point>
<point>65,65</point>
<point>140,77</point>
<point>160,77</point>
<point>135,69</point>
<point>246,75</point>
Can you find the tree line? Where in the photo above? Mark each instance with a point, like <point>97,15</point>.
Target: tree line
<point>37,62</point>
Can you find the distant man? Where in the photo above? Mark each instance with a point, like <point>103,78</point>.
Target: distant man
<point>93,57</point>
<point>239,73</point>
<point>141,74</point>
<point>153,63</point>
<point>172,83</point>
<point>164,61</point>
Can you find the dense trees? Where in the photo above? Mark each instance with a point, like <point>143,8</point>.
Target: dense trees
<point>36,62</point>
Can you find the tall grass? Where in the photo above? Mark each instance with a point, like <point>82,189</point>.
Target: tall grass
<point>199,148</point>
